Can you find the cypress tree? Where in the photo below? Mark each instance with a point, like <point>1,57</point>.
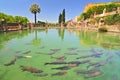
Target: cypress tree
<point>60,18</point>
<point>63,16</point>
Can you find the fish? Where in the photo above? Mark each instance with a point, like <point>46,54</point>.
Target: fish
<point>92,64</point>
<point>82,57</point>
<point>95,55</point>
<point>100,52</point>
<point>59,73</point>
<point>11,62</point>
<point>78,62</point>
<point>72,53</point>
<point>62,68</point>
<point>101,64</point>
<point>19,57</point>
<point>30,69</point>
<point>27,52</point>
<point>95,74</point>
<point>59,57</point>
<point>55,50</point>
<point>91,55</point>
<point>28,56</point>
<point>91,71</point>
<point>97,64</point>
<point>55,63</point>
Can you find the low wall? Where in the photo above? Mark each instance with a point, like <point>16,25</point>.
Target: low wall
<point>114,28</point>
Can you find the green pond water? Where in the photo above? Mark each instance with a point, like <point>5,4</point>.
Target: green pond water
<point>62,54</point>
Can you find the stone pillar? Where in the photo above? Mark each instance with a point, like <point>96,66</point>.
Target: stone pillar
<point>4,27</point>
<point>118,10</point>
<point>104,11</point>
<point>46,24</point>
<point>101,22</point>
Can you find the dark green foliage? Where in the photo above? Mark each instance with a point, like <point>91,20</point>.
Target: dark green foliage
<point>63,16</point>
<point>83,16</point>
<point>52,25</point>
<point>99,10</point>
<point>111,7</point>
<point>41,23</point>
<point>14,19</point>
<point>60,18</point>
<point>95,20</point>
<point>112,19</point>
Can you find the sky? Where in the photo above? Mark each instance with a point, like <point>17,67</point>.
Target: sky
<point>50,9</point>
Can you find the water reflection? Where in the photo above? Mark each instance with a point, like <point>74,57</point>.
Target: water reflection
<point>61,33</point>
<point>91,38</point>
<point>86,38</point>
<point>36,40</point>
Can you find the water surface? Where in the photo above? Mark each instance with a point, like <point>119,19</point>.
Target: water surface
<point>62,54</point>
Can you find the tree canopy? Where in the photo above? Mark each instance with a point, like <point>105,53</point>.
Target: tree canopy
<point>14,19</point>
<point>61,18</point>
<point>35,8</point>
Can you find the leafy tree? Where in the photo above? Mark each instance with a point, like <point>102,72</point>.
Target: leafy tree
<point>41,23</point>
<point>14,19</point>
<point>35,8</point>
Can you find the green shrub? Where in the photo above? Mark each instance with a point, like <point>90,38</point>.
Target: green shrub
<point>98,9</point>
<point>103,29</point>
<point>95,20</point>
<point>83,16</point>
<point>112,19</point>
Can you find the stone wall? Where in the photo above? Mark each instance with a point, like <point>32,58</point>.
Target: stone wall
<point>108,13</point>
<point>97,4</point>
<point>114,28</point>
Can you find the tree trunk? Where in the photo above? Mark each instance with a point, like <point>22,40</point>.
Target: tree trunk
<point>35,19</point>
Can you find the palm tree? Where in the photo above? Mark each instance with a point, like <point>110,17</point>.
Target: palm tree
<point>35,8</point>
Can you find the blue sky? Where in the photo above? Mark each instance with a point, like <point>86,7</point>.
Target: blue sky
<point>50,9</point>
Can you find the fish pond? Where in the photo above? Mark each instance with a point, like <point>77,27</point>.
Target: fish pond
<point>59,54</point>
